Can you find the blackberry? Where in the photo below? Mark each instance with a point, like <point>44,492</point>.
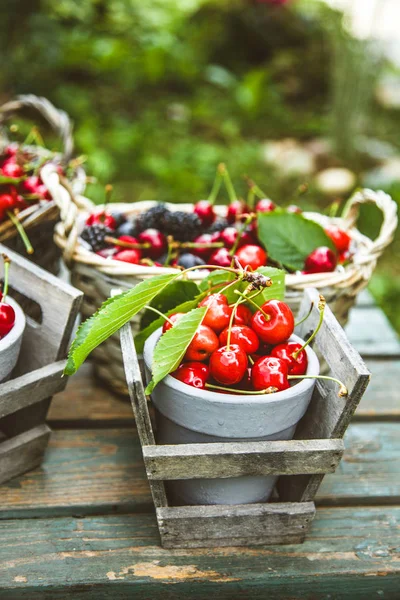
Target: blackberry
<point>152,218</point>
<point>95,236</point>
<point>183,226</point>
<point>219,224</point>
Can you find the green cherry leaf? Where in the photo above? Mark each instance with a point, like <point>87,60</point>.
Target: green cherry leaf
<point>172,345</point>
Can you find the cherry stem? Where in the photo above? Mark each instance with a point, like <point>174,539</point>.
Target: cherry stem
<point>159,313</point>
<point>342,391</point>
<point>228,182</point>
<point>269,390</point>
<point>249,299</point>
<point>240,235</point>
<point>169,251</point>
<point>18,226</point>
<point>251,361</point>
<point>321,307</point>
<point>306,317</point>
<point>198,245</point>
<point>123,244</point>
<point>7,262</point>
<point>251,198</point>
<point>216,186</point>
<point>255,189</point>
<point>33,136</point>
<point>108,192</point>
<point>231,319</point>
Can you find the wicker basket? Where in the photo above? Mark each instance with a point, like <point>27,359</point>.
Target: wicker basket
<point>39,219</point>
<point>96,276</point>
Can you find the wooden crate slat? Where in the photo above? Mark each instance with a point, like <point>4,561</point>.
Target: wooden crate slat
<point>23,452</point>
<point>247,524</point>
<point>139,405</point>
<point>234,459</point>
<point>59,302</point>
<point>31,388</point>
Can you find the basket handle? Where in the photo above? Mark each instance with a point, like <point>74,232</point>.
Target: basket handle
<point>58,119</point>
<point>389,210</point>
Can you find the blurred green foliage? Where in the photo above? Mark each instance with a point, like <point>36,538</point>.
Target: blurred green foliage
<point>162,91</point>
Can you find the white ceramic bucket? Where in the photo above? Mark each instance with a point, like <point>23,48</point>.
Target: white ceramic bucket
<point>10,345</point>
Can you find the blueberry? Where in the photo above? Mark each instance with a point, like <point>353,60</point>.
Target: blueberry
<point>188,260</point>
<point>126,228</point>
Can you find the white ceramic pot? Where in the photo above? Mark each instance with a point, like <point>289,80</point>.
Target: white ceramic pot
<point>190,415</point>
<point>10,345</point>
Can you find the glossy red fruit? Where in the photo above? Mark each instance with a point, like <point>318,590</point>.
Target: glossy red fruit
<point>252,256</point>
<point>102,217</point>
<point>245,383</point>
<point>221,258</point>
<point>242,336</point>
<point>7,201</point>
<point>43,192</point>
<point>174,318</point>
<point>344,257</point>
<point>205,238</point>
<point>321,260</point>
<point>268,372</point>
<point>235,209</point>
<point>192,373</point>
<point>265,205</point>
<point>340,238</point>
<point>229,236</point>
<point>205,211</point>
<point>279,327</point>
<point>286,352</point>
<point>30,185</point>
<point>11,169</point>
<point>129,239</point>
<point>218,313</point>
<point>129,256</point>
<point>228,366</point>
<point>11,150</point>
<point>203,344</point>
<point>292,208</point>
<point>7,319</point>
<point>156,239</point>
<point>242,316</point>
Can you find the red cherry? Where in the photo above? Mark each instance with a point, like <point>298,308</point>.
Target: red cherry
<point>11,150</point>
<point>44,193</point>
<point>245,383</point>
<point>205,211</point>
<point>156,239</point>
<point>228,366</point>
<point>129,239</point>
<point>221,258</point>
<point>242,336</point>
<point>205,238</point>
<point>11,169</point>
<point>30,185</point>
<point>340,238</point>
<point>130,256</point>
<point>218,314</point>
<point>7,201</point>
<point>292,208</point>
<point>235,209</point>
<point>192,373</point>
<point>321,260</point>
<point>344,257</point>
<point>174,318</point>
<point>7,319</point>
<point>103,217</point>
<point>286,351</point>
<point>269,371</point>
<point>265,205</point>
<point>242,316</point>
<point>203,344</point>
<point>280,325</point>
<point>229,236</point>
<point>252,256</point>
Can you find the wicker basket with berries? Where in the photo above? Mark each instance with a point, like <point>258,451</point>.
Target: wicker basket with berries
<point>119,245</point>
<point>28,212</point>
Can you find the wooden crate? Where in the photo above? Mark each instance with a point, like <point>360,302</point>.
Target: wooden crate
<point>301,463</point>
<point>26,396</point>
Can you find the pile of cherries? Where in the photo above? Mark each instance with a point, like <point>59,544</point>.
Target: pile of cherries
<point>7,313</point>
<point>24,186</point>
<point>241,352</point>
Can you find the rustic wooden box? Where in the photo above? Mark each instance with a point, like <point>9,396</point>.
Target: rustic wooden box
<point>26,396</point>
<point>301,463</point>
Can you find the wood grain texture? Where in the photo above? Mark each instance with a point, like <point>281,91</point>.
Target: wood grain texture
<point>101,471</point>
<point>370,332</point>
<point>220,460</point>
<point>381,399</point>
<point>240,525</point>
<point>350,554</point>
<point>23,452</point>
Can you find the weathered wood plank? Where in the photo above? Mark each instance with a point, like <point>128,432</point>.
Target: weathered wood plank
<point>139,405</point>
<point>370,332</point>
<point>23,452</point>
<point>240,525</point>
<point>381,399</point>
<point>210,461</point>
<point>351,554</point>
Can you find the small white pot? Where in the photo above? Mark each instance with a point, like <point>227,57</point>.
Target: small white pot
<point>10,345</point>
<point>189,415</point>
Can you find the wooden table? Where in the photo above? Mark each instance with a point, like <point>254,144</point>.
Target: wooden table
<point>83,525</point>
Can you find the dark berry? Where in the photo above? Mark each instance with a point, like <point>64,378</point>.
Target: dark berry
<point>188,260</point>
<point>126,228</point>
<point>95,236</point>
<point>219,224</point>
